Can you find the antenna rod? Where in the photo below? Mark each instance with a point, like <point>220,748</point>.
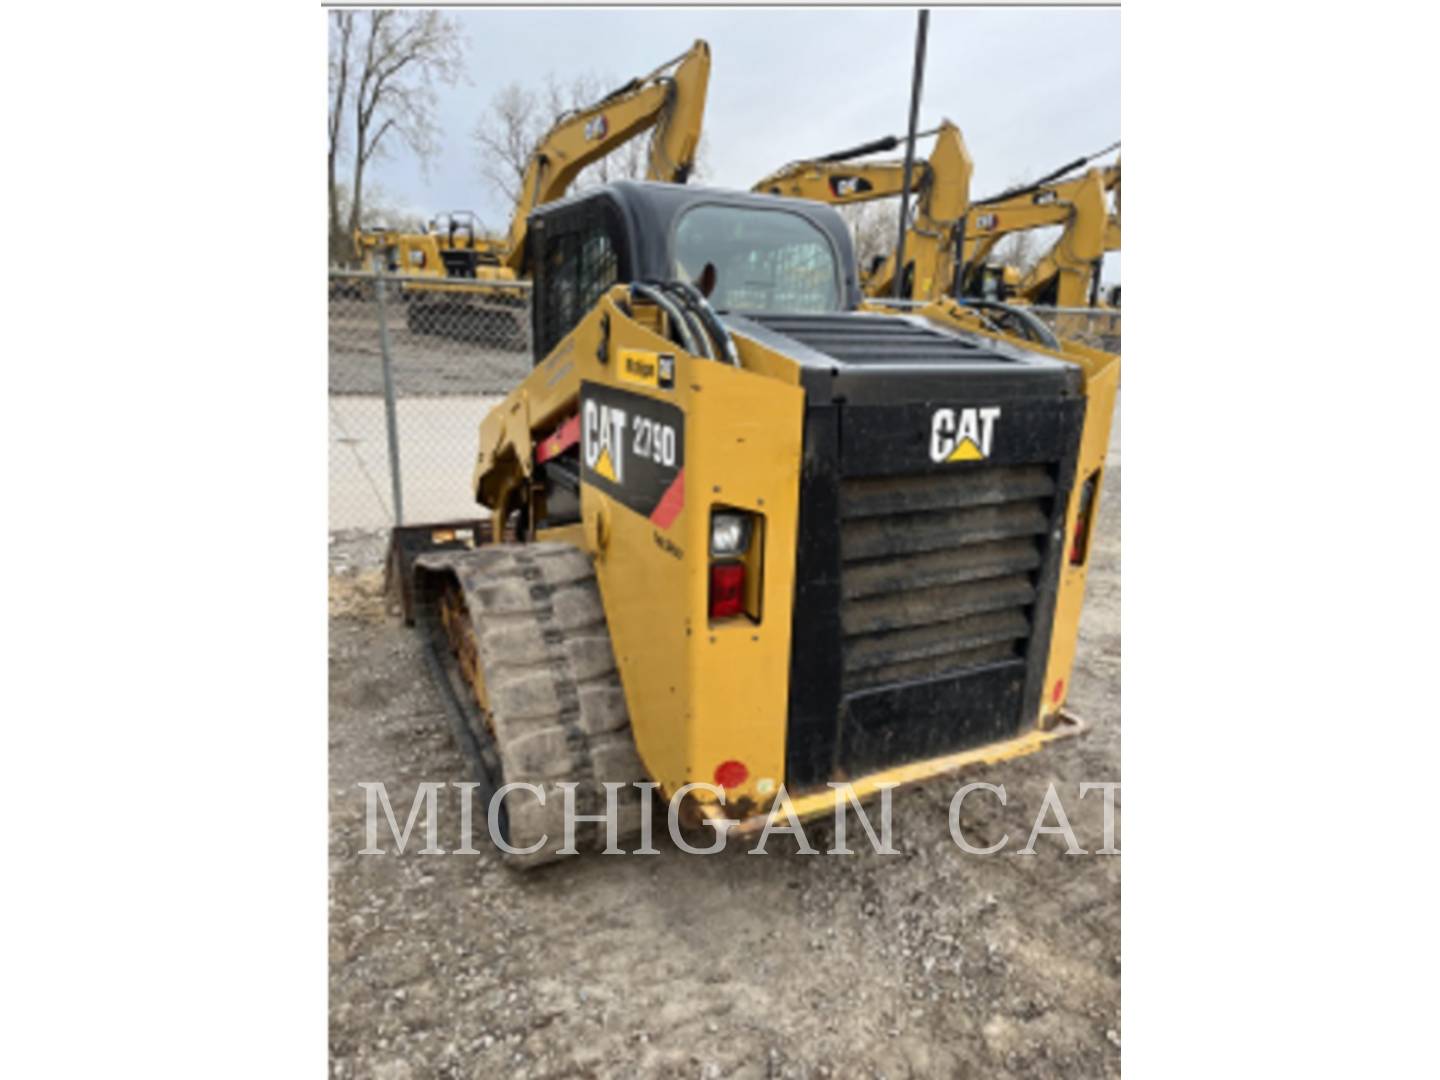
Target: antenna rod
<point>916,83</point>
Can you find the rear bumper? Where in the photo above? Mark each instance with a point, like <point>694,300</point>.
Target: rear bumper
<point>821,803</point>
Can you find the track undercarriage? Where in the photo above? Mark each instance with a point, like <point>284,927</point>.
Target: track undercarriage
<point>517,642</point>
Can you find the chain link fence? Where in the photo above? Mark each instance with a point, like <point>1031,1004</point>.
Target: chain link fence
<point>413,368</point>
<point>1096,327</point>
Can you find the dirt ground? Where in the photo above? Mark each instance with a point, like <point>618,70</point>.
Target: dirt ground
<point>927,963</point>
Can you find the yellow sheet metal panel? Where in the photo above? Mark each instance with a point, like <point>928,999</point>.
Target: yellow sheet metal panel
<point>822,803</point>
<point>1102,380</point>
<point>699,695</point>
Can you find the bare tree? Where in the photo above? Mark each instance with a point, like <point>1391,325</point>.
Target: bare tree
<point>384,65</point>
<point>506,135</point>
<point>873,225</point>
<point>381,211</point>
<point>1019,249</point>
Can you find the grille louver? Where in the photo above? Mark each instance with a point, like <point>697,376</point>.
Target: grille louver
<point>880,339</point>
<point>938,571</point>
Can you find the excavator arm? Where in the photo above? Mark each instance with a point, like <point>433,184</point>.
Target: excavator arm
<point>840,182</point>
<point>1063,275</point>
<point>671,99</point>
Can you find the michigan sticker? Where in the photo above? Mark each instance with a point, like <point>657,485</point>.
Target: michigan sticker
<point>644,368</point>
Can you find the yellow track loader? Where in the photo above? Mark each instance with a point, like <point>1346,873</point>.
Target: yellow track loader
<point>751,532</point>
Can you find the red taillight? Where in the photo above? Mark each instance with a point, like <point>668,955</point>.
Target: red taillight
<point>727,589</point>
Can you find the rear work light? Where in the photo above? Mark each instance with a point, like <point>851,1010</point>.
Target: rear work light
<point>729,532</point>
<point>727,589</point>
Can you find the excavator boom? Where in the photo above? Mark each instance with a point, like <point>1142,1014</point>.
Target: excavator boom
<point>670,99</point>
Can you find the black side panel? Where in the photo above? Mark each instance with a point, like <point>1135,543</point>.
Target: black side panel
<point>815,667</point>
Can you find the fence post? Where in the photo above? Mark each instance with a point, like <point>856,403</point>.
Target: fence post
<point>392,436</point>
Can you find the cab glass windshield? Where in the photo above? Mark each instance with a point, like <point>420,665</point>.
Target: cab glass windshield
<point>748,259</point>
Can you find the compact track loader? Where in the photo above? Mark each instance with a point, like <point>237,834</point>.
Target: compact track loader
<point>747,530</point>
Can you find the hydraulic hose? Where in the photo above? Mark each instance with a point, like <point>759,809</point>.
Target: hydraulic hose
<point>678,317</point>
<point>1035,329</point>
<point>709,348</point>
<point>874,146</point>
<point>719,335</point>
<point>1035,185</point>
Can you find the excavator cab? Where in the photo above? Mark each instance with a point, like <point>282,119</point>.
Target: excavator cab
<point>995,281</point>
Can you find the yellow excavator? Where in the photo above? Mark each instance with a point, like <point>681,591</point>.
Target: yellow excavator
<point>1067,275</point>
<point>942,195</point>
<point>945,222</point>
<point>451,256</point>
<point>446,260</point>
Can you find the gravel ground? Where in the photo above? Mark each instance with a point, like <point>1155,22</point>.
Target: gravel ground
<point>927,963</point>
<point>422,364</point>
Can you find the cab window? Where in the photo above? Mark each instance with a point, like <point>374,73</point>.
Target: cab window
<point>750,259</point>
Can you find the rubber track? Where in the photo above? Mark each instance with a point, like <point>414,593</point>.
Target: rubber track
<point>557,710</point>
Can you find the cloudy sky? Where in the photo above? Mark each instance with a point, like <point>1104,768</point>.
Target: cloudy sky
<point>1030,88</point>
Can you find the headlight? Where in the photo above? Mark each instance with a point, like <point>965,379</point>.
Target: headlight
<point>729,532</point>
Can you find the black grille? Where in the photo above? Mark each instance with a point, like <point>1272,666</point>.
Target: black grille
<point>863,338</point>
<point>939,571</point>
<point>925,590</point>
